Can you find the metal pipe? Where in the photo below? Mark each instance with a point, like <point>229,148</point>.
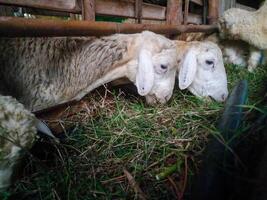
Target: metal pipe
<point>20,27</point>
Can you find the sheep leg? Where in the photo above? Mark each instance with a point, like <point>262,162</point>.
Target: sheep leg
<point>254,58</point>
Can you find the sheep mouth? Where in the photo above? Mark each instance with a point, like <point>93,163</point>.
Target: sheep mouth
<point>153,100</point>
<point>221,99</point>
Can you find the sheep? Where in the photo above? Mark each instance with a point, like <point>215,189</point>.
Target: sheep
<point>235,52</point>
<point>249,26</point>
<point>239,52</point>
<point>17,134</point>
<point>44,72</point>
<point>200,70</point>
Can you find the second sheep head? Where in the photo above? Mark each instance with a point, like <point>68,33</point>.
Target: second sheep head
<point>202,71</point>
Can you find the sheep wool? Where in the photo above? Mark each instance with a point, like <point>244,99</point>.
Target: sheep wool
<point>17,133</point>
<point>46,72</point>
<point>249,26</point>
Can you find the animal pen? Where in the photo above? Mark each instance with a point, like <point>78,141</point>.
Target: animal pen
<point>172,19</point>
<point>153,153</point>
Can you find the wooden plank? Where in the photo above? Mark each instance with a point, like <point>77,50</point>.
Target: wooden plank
<point>88,10</point>
<point>186,11</point>
<point>138,10</point>
<point>21,27</point>
<point>58,5</point>
<point>205,12</point>
<point>6,11</point>
<point>174,12</point>
<point>38,12</point>
<point>213,11</point>
<point>127,9</point>
<point>120,8</point>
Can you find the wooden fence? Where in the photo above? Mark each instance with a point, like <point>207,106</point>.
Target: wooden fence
<point>175,15</point>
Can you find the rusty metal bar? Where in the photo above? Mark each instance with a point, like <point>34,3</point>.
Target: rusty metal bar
<point>20,27</point>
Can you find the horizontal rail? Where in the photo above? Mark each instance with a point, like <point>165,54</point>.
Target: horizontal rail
<point>21,27</point>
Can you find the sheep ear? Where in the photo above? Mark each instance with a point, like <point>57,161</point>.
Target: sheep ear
<point>188,69</point>
<point>145,73</point>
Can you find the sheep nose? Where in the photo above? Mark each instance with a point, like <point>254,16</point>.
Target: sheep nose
<point>224,96</point>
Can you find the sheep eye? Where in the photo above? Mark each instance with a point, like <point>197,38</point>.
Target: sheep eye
<point>163,66</point>
<point>209,62</point>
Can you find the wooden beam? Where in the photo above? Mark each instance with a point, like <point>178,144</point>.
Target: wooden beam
<point>21,27</point>
<point>213,11</point>
<point>88,10</point>
<point>119,8</point>
<point>186,11</point>
<point>138,10</point>
<point>127,9</point>
<point>58,5</point>
<point>174,14</point>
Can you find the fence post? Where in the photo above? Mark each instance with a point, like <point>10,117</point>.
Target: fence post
<point>88,10</point>
<point>138,11</point>
<point>174,14</point>
<point>213,11</point>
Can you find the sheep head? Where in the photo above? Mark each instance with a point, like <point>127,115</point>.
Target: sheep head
<point>202,71</point>
<point>154,75</point>
<point>232,21</point>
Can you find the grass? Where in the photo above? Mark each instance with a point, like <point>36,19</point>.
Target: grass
<point>126,134</point>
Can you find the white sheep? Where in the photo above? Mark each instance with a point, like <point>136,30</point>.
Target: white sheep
<point>18,131</point>
<point>235,52</point>
<point>249,26</point>
<point>200,69</point>
<point>17,134</point>
<point>239,52</point>
<point>43,72</point>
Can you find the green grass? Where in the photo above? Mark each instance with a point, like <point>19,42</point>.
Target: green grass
<point>127,134</point>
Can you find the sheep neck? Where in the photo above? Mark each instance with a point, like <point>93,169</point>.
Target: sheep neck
<point>114,74</point>
<point>109,66</point>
